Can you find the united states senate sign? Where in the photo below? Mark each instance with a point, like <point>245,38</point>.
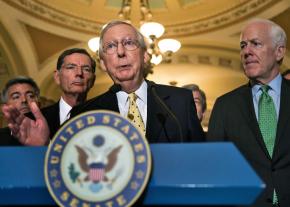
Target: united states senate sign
<point>97,159</point>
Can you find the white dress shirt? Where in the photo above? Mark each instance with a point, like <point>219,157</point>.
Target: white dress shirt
<point>64,110</point>
<point>123,101</point>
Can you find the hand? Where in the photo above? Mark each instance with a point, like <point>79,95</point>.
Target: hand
<point>28,131</point>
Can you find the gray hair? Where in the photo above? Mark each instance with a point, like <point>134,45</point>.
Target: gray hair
<point>277,33</point>
<point>194,87</point>
<point>19,80</point>
<point>113,23</point>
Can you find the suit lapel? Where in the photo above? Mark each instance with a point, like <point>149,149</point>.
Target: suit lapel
<point>51,114</point>
<point>107,101</point>
<point>248,111</point>
<point>156,117</point>
<point>284,113</point>
<point>111,102</point>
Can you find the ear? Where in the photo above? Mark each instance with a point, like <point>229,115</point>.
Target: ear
<point>56,76</point>
<point>202,116</point>
<point>146,57</point>
<point>93,81</point>
<point>103,66</point>
<point>280,53</point>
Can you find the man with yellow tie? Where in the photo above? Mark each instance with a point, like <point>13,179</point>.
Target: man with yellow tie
<point>166,113</point>
<point>163,113</point>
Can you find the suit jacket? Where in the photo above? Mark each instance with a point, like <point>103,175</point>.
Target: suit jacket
<point>178,123</point>
<point>6,139</point>
<point>233,119</point>
<point>51,114</point>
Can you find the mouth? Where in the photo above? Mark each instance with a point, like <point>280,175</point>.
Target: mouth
<point>78,83</point>
<point>250,62</point>
<point>124,67</point>
<point>24,109</point>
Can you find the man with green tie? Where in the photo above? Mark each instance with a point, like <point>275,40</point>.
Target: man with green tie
<point>256,116</point>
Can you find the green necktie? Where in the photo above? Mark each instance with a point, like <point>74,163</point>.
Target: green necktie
<point>268,123</point>
<point>267,119</point>
<point>134,113</point>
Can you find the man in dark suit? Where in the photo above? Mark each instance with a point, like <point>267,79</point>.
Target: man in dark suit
<point>75,75</point>
<point>17,92</point>
<point>237,115</point>
<point>199,98</point>
<point>168,113</point>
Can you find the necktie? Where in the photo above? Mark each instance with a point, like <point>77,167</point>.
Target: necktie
<point>134,113</point>
<point>268,123</point>
<point>267,119</point>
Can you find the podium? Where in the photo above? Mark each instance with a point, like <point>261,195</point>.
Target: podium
<point>182,174</point>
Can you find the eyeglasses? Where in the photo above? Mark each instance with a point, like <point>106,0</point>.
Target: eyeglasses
<point>73,67</point>
<point>128,44</point>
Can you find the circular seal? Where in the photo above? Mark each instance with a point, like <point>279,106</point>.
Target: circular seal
<point>98,159</point>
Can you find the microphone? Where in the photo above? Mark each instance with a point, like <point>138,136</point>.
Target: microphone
<point>165,108</point>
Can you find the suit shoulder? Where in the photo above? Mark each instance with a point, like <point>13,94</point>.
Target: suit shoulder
<point>50,107</point>
<point>100,99</point>
<point>172,90</point>
<point>50,110</point>
<point>95,103</point>
<point>234,93</point>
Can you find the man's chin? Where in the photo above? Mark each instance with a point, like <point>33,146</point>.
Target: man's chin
<point>251,72</point>
<point>125,77</point>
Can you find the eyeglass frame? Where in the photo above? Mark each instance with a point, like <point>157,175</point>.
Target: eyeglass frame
<point>123,42</point>
<point>86,69</point>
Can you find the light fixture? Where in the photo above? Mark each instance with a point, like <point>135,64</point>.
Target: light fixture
<point>93,44</point>
<point>159,50</point>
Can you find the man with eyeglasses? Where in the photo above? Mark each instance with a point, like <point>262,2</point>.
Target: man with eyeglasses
<point>75,75</point>
<point>168,113</point>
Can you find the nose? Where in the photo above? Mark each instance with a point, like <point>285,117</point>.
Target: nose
<point>24,99</point>
<point>120,50</point>
<point>79,71</point>
<point>246,51</point>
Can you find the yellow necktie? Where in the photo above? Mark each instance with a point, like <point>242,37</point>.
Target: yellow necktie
<point>134,113</point>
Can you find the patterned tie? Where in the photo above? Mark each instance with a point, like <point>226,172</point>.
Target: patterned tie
<point>268,123</point>
<point>134,113</point>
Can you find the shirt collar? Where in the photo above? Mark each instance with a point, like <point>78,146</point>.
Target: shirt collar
<point>141,93</point>
<point>275,85</point>
<point>64,109</point>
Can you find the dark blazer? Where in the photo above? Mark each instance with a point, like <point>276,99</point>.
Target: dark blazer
<point>51,114</point>
<point>6,139</point>
<point>233,119</point>
<point>178,123</point>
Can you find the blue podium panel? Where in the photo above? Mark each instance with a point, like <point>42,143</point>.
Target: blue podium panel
<point>206,173</point>
<point>22,176</point>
